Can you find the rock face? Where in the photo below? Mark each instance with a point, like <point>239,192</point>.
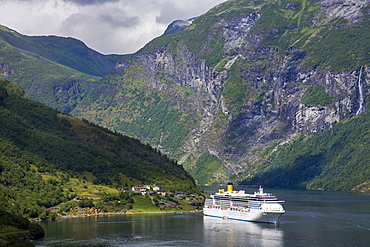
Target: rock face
<point>350,10</point>
<point>5,70</point>
<point>276,80</point>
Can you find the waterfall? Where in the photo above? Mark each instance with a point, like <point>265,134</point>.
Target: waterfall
<point>361,101</point>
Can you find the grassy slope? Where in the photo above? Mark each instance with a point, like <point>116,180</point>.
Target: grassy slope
<point>144,205</point>
<point>59,72</point>
<point>44,80</point>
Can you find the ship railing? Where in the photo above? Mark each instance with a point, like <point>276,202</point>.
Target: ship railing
<point>276,210</point>
<point>273,202</point>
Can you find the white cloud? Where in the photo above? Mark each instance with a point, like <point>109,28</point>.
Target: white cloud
<point>90,2</point>
<point>108,26</point>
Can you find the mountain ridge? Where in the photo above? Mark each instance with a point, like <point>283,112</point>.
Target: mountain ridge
<point>51,69</point>
<point>66,51</point>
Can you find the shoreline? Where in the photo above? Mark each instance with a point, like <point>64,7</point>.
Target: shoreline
<point>117,213</point>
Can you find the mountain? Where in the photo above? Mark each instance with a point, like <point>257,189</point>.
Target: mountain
<point>223,95</point>
<point>246,77</point>
<point>46,156</point>
<point>57,71</point>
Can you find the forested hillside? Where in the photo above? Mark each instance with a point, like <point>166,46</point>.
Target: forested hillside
<point>14,228</point>
<point>44,154</point>
<point>335,160</point>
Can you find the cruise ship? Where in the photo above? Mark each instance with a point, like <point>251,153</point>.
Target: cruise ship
<point>238,205</point>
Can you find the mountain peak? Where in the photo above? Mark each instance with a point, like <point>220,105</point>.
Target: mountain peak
<point>178,25</point>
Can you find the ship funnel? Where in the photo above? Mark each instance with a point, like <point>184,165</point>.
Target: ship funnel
<point>230,187</point>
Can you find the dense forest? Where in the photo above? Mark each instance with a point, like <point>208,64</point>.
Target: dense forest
<point>44,154</point>
<point>15,227</point>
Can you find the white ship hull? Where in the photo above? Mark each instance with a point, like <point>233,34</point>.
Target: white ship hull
<point>254,215</point>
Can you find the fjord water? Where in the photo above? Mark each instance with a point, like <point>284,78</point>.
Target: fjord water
<point>313,218</point>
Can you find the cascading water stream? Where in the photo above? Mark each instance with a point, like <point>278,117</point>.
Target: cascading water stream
<point>361,101</point>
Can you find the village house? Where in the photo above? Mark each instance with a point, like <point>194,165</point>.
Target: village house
<point>162,192</point>
<point>139,189</point>
<point>146,186</point>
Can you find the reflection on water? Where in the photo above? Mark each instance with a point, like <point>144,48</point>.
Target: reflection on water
<point>159,230</point>
<point>124,230</point>
<point>219,232</point>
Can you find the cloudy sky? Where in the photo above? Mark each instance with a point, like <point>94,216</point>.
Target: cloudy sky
<point>108,26</point>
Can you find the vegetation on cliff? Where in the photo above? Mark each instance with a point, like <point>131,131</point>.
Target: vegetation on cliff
<point>335,160</point>
<point>303,31</point>
<point>283,25</point>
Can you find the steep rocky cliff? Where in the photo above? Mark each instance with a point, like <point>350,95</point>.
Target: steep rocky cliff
<point>253,75</point>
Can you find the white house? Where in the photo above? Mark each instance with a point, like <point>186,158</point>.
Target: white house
<point>156,188</point>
